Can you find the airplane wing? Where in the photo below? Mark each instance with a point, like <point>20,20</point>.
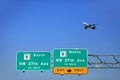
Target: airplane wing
<point>85,23</point>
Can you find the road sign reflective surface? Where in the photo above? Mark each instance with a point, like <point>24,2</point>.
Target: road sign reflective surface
<point>33,61</point>
<point>70,61</point>
<point>70,70</point>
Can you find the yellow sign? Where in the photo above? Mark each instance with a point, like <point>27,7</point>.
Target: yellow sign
<point>70,70</point>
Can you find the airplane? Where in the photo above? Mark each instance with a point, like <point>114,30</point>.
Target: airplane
<point>92,26</point>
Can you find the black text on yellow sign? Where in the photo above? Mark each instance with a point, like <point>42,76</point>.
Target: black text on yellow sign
<point>70,70</point>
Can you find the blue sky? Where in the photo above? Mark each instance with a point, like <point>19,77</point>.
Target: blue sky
<point>42,25</point>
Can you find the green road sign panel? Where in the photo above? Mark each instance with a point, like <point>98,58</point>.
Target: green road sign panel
<point>33,61</point>
<point>70,61</point>
<point>70,58</point>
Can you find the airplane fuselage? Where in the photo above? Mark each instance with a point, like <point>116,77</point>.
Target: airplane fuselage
<point>92,26</point>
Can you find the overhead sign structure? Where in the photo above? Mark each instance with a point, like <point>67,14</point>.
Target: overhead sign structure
<point>33,61</point>
<point>70,61</point>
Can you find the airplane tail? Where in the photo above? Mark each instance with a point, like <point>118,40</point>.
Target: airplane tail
<point>93,27</point>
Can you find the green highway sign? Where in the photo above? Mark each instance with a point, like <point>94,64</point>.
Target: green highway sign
<point>70,58</point>
<point>33,61</point>
<point>70,61</point>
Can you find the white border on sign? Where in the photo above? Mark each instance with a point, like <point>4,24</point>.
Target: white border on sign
<point>70,48</point>
<point>33,51</point>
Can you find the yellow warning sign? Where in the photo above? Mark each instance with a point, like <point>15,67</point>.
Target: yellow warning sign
<point>70,70</point>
